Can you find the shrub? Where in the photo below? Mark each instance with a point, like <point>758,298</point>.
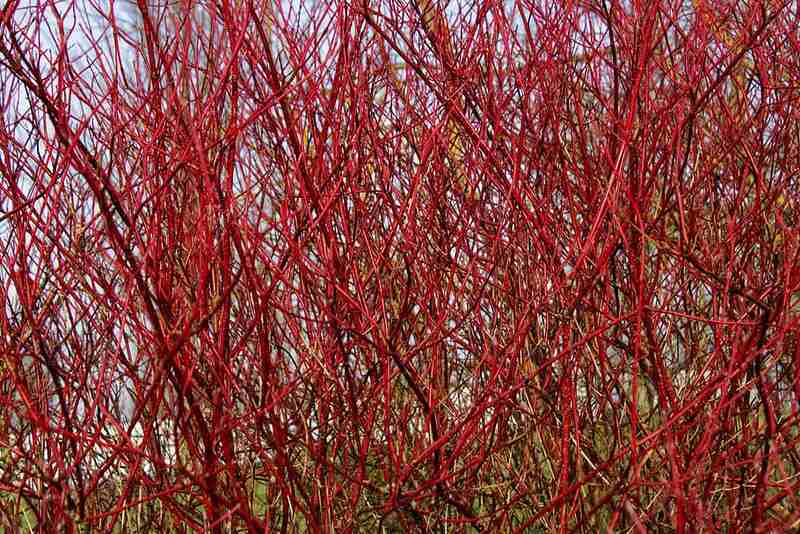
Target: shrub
<point>399,266</point>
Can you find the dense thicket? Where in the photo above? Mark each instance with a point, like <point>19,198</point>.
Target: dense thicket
<point>340,266</point>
